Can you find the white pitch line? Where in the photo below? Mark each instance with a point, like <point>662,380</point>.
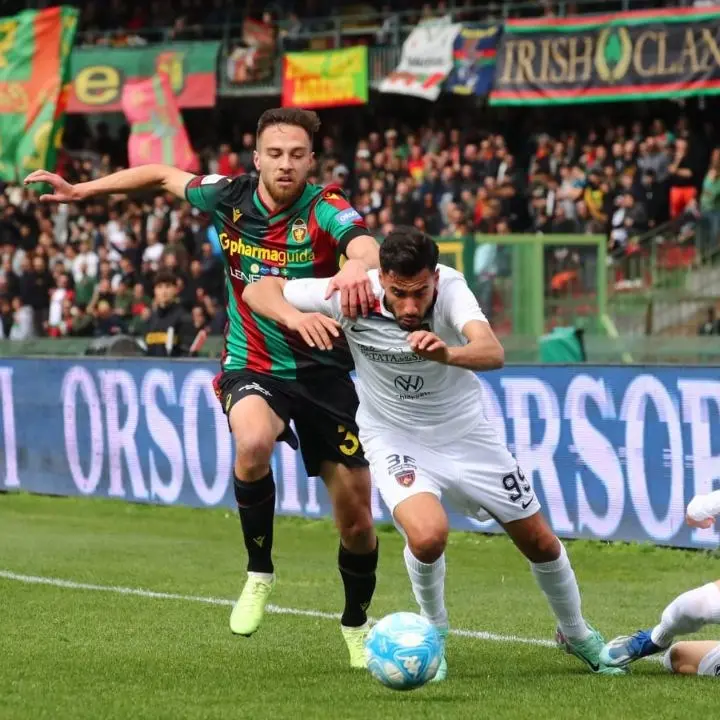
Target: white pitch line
<point>141,592</point>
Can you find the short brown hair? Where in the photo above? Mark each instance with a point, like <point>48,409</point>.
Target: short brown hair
<point>305,119</point>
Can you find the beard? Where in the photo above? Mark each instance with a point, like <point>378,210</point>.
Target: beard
<point>285,194</point>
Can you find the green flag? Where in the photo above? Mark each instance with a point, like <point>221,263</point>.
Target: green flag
<point>34,73</point>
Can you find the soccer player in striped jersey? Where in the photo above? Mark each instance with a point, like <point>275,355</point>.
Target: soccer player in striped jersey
<point>687,613</point>
<point>279,225</point>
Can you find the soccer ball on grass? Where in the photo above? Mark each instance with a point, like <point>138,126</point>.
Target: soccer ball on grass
<point>404,651</point>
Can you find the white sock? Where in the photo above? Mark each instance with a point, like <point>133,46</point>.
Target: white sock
<point>557,580</point>
<point>687,613</point>
<point>428,584</point>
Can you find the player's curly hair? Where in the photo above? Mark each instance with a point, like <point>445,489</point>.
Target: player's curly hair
<point>407,251</point>
<point>305,119</point>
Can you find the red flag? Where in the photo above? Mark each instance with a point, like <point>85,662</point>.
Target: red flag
<point>157,133</point>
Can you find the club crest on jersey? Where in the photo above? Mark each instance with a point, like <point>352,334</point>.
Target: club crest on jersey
<point>299,230</point>
<point>236,215</point>
<point>405,478</point>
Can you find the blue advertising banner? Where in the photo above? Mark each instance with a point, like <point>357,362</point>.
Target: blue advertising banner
<point>615,453</point>
<point>474,55</point>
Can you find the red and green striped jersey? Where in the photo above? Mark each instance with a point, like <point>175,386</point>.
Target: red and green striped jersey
<point>306,239</point>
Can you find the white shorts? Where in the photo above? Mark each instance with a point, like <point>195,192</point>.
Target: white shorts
<point>476,474</point>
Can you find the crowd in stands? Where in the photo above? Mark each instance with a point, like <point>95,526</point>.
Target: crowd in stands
<point>86,270</point>
<point>293,21</point>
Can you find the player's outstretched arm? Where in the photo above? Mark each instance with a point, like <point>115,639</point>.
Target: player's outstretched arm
<point>297,305</point>
<point>144,177</point>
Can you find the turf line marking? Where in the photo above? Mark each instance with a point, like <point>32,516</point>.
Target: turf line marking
<point>140,592</point>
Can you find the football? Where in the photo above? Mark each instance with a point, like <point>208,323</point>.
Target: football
<point>404,651</point>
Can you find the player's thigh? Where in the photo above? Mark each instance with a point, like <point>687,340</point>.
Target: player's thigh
<point>324,415</point>
<point>491,480</point>
<point>257,412</point>
<point>695,657</point>
<point>401,470</point>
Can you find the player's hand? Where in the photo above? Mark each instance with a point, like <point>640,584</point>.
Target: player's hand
<point>429,346</point>
<point>355,289</point>
<point>64,192</point>
<point>704,524</point>
<point>316,330</point>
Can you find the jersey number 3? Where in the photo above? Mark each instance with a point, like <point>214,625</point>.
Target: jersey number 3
<point>349,444</point>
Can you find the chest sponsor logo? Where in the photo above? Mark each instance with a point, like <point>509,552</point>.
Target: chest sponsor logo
<point>410,387</point>
<point>390,356</point>
<point>299,230</point>
<point>271,256</point>
<point>408,383</point>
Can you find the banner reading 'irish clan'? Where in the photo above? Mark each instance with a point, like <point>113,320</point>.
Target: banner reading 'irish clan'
<point>621,56</point>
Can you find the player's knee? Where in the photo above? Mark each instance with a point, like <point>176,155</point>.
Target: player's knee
<point>428,544</point>
<point>357,530</point>
<point>541,545</point>
<point>253,452</point>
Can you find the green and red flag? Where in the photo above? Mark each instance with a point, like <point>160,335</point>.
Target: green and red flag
<point>99,74</point>
<point>157,132</point>
<point>35,51</point>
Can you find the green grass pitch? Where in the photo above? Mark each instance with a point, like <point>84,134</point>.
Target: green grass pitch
<point>78,651</point>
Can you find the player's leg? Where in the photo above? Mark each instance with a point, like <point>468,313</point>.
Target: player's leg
<point>699,657</point>
<point>686,614</point>
<point>400,470</point>
<point>555,576</point>
<point>324,416</point>
<point>254,407</point>
<point>492,481</point>
<point>424,524</point>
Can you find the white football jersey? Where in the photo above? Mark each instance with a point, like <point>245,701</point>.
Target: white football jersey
<point>397,388</point>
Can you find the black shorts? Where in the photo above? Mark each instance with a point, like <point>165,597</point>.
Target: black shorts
<point>323,412</point>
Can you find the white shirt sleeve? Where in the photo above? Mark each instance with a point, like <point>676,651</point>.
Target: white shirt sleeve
<point>308,295</point>
<point>458,305</point>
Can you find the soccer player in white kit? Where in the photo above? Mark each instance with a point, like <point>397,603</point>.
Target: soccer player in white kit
<point>422,422</point>
<point>687,613</point>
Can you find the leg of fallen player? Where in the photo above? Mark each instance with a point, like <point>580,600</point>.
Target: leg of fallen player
<point>349,490</point>
<point>422,520</point>
<point>686,614</point>
<point>554,574</point>
<point>699,657</point>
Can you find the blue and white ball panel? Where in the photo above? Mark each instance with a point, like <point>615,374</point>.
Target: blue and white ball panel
<point>404,651</point>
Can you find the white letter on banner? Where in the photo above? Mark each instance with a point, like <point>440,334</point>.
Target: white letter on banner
<point>640,390</point>
<point>596,453</point>
<point>164,434</point>
<point>196,383</point>
<point>78,378</point>
<point>122,439</point>
<point>538,459</point>
<point>696,398</point>
<point>12,480</point>
<point>493,410</point>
